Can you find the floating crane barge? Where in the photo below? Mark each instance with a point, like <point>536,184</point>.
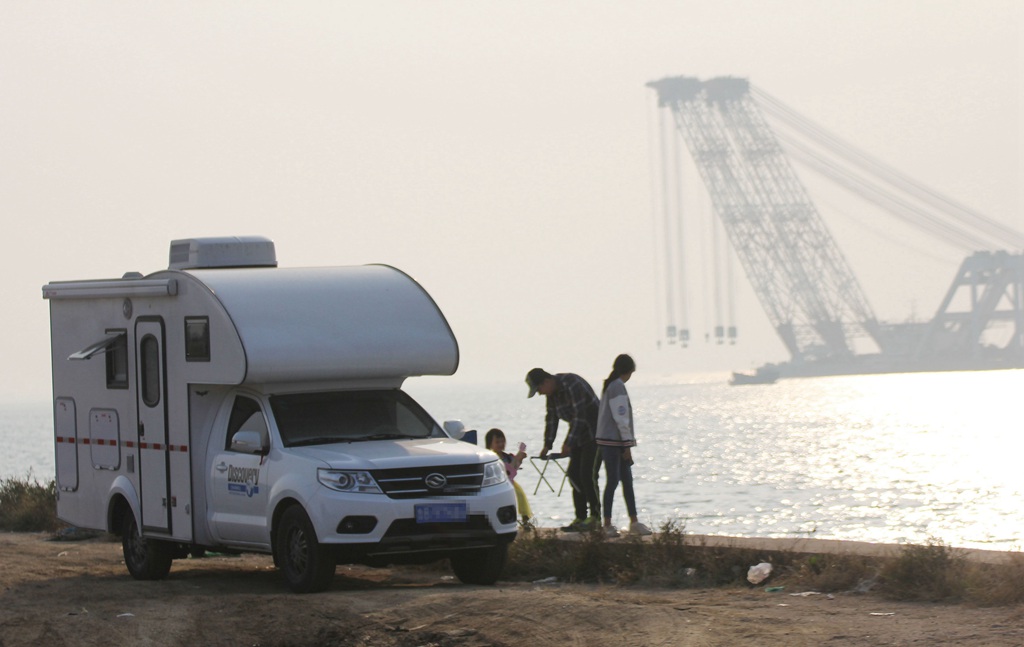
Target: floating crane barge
<point>799,275</point>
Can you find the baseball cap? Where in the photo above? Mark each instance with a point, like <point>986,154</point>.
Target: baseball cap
<point>534,379</point>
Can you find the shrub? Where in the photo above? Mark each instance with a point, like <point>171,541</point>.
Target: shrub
<point>539,554</point>
<point>26,505</point>
<point>834,572</point>
<point>933,572</point>
<point>663,560</point>
<point>997,584</point>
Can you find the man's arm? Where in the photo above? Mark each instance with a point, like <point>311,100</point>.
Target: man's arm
<point>550,429</point>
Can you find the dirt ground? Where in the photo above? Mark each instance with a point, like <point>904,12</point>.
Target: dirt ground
<point>79,593</point>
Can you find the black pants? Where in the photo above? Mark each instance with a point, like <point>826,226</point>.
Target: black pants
<point>615,471</point>
<point>583,465</point>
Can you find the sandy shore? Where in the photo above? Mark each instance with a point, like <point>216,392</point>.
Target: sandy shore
<point>79,593</point>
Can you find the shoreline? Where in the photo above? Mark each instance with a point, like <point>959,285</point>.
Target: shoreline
<point>812,546</point>
<point>807,545</point>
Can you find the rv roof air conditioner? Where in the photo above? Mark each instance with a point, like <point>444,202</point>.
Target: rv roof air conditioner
<point>225,251</point>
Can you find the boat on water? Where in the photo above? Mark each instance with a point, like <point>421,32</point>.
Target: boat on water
<point>763,375</point>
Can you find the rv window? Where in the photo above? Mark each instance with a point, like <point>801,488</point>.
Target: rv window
<point>150,351</point>
<point>197,339</point>
<point>350,416</point>
<point>117,363</point>
<point>101,346</point>
<point>115,347</point>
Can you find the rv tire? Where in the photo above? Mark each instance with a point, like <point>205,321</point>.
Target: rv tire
<point>146,559</point>
<point>307,565</point>
<point>480,565</point>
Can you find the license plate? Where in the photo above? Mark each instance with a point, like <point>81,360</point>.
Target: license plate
<point>440,512</point>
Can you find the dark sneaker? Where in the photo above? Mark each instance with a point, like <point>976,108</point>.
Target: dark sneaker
<point>575,526</point>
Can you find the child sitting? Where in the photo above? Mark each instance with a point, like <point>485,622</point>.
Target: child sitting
<point>495,441</point>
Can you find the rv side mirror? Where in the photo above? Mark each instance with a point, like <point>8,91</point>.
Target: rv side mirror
<point>454,428</point>
<point>247,442</point>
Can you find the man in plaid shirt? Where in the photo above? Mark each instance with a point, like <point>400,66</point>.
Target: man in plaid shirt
<point>570,398</point>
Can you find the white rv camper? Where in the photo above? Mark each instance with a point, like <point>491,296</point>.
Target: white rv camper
<point>229,404</point>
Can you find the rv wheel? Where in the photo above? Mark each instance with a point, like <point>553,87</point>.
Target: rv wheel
<point>146,559</point>
<point>307,565</point>
<point>480,565</point>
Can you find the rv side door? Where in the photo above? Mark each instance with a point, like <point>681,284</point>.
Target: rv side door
<point>152,428</point>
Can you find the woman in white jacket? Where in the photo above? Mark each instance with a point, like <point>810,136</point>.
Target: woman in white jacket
<point>615,439</point>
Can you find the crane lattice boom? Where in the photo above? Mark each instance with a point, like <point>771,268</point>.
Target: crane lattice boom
<point>801,278</point>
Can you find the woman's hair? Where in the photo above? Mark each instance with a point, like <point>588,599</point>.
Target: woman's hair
<point>491,435</point>
<point>623,364</point>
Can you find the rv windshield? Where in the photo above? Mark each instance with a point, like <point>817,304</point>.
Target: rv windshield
<point>349,416</point>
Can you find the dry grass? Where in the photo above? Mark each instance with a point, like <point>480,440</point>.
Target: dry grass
<point>672,559</point>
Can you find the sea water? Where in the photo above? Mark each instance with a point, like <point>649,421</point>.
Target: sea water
<point>882,458</point>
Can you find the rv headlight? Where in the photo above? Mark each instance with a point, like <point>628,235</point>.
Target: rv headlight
<point>494,473</point>
<point>348,481</point>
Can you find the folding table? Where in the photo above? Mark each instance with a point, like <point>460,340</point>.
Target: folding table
<point>541,470</point>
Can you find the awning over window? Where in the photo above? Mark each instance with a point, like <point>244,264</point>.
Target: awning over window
<point>100,347</point>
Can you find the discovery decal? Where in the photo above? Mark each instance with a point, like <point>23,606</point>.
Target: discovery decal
<point>243,480</point>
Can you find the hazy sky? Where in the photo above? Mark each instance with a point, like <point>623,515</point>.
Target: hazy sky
<point>500,153</point>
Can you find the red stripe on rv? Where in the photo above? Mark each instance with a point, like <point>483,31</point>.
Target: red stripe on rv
<point>130,444</point>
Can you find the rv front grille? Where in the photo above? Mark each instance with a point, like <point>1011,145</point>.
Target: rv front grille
<point>418,482</point>
<point>406,528</point>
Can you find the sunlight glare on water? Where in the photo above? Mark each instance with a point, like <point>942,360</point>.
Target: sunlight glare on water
<point>875,458</point>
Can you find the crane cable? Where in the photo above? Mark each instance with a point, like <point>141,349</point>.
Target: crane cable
<point>964,215</point>
<point>667,228</point>
<point>677,157</point>
<point>891,202</point>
